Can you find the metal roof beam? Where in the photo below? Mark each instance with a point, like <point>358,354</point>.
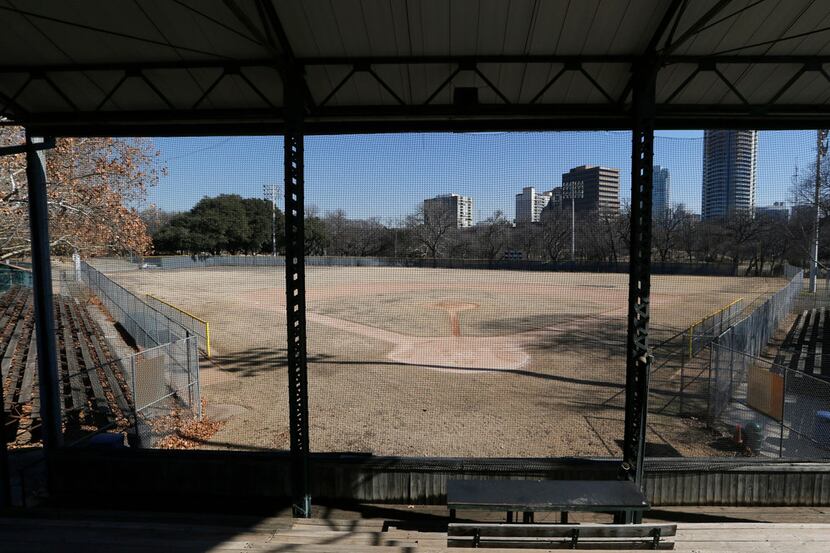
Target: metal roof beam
<point>696,27</point>
<point>273,22</point>
<point>671,13</point>
<point>283,59</point>
<point>407,60</point>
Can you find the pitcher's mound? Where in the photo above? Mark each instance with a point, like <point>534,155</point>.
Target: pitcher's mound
<point>461,354</point>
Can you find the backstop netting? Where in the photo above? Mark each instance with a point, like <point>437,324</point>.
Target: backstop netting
<point>467,293</point>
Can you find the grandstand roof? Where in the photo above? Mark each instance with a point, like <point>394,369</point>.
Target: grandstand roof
<point>219,66</point>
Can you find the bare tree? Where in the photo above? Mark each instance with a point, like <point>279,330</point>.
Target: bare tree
<point>432,229</point>
<point>492,236</point>
<point>555,233</point>
<point>666,232</point>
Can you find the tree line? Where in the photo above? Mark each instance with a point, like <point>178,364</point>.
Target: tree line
<point>235,225</point>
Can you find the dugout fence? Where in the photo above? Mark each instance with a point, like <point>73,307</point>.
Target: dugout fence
<point>748,337</point>
<point>147,325</point>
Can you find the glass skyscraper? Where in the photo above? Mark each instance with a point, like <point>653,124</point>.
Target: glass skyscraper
<point>729,160</point>
<point>661,191</point>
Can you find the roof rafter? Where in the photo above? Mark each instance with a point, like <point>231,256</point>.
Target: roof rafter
<point>272,22</point>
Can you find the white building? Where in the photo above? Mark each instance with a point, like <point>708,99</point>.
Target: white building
<point>529,204</point>
<point>461,206</point>
<point>778,211</point>
<point>729,160</point>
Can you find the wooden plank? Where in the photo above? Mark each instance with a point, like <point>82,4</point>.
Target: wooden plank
<point>99,398</point>
<point>559,530</point>
<point>104,363</point>
<point>11,364</point>
<point>29,375</point>
<point>76,384</point>
<point>818,335</point>
<point>803,343</point>
<point>11,345</point>
<point>11,308</point>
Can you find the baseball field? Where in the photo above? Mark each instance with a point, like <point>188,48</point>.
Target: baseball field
<point>441,362</point>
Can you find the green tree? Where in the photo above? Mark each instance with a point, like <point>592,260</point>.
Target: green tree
<point>223,220</point>
<point>259,215</point>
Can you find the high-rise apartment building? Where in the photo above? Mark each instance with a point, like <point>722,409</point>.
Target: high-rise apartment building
<point>661,191</point>
<point>729,161</point>
<point>461,207</point>
<point>529,204</point>
<point>601,188</point>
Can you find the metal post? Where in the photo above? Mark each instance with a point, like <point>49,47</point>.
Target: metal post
<point>682,378</point>
<point>47,352</point>
<point>709,417</point>
<point>821,135</point>
<point>133,381</point>
<point>188,365</point>
<point>783,407</point>
<point>274,224</point>
<point>638,355</point>
<point>270,192</point>
<point>573,229</point>
<point>295,300</point>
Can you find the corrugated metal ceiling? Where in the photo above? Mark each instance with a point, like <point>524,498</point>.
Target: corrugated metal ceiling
<point>82,64</point>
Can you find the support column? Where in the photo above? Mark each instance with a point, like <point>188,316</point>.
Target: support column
<point>47,354</point>
<point>638,356</point>
<point>295,304</point>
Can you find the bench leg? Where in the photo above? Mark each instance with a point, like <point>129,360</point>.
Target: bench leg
<point>655,544</point>
<point>563,517</point>
<point>509,517</point>
<point>527,517</point>
<point>452,514</point>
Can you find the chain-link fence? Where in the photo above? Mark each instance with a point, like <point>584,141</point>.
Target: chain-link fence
<point>202,261</point>
<point>11,276</point>
<point>195,325</point>
<point>773,410</point>
<point>165,385</point>
<point>746,338</point>
<point>701,333</point>
<point>163,392</point>
<point>148,326</point>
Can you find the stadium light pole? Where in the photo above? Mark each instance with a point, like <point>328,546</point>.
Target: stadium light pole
<point>821,150</point>
<point>573,190</point>
<point>270,191</point>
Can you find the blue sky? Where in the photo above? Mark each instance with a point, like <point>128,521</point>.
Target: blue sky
<point>387,175</point>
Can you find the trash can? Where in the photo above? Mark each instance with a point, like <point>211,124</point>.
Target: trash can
<point>753,437</point>
<point>821,428</point>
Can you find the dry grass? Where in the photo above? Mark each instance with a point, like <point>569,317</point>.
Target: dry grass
<point>561,396</point>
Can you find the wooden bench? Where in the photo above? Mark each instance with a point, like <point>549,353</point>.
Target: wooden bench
<point>621,497</point>
<point>545,536</point>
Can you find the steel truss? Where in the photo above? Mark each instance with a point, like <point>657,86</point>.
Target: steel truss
<point>612,110</point>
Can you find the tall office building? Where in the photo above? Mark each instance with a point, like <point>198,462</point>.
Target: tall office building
<point>529,204</point>
<point>729,159</point>
<point>461,207</point>
<point>601,188</point>
<point>661,191</point>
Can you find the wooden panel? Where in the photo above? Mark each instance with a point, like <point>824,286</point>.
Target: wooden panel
<point>765,391</point>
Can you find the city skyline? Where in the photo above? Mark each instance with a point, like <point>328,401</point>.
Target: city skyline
<point>387,176</point>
